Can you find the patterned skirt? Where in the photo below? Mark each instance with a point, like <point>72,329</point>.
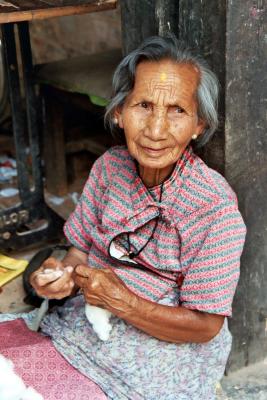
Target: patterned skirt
<point>133,365</point>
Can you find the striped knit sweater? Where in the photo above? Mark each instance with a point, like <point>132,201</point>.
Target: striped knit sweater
<point>199,236</point>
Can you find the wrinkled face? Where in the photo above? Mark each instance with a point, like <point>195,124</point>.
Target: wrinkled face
<point>159,116</point>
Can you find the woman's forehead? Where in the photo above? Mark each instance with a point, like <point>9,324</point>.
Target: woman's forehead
<point>166,75</point>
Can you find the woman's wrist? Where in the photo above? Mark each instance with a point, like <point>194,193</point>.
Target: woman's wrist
<point>74,257</point>
<point>127,308</point>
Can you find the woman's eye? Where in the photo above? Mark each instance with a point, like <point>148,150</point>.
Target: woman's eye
<point>179,110</point>
<point>144,104</point>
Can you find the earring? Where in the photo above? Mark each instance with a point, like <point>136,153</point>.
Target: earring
<point>115,120</point>
<point>194,137</point>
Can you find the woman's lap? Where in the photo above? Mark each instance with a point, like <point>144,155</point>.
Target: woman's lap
<point>133,365</point>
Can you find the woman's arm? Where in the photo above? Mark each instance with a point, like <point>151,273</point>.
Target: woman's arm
<point>173,324</point>
<point>58,288</point>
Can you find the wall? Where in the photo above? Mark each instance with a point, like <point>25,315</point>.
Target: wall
<point>65,37</point>
<point>246,169</point>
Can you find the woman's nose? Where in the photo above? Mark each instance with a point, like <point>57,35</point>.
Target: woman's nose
<point>157,126</point>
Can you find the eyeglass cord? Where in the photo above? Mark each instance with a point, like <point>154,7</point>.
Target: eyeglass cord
<point>132,254</point>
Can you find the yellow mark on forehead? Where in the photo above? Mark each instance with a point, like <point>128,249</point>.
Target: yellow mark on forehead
<point>163,76</point>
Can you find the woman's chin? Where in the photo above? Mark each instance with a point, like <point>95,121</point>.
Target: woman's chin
<point>156,158</point>
<point>155,162</point>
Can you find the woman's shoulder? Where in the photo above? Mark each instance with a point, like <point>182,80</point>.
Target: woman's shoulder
<point>116,157</point>
<point>116,154</point>
<point>115,161</point>
<point>212,181</point>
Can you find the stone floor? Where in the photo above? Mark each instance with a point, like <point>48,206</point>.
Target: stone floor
<point>248,383</point>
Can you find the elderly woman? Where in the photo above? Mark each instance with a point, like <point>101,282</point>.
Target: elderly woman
<point>156,237</point>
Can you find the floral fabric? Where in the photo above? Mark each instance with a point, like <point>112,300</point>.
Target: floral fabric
<point>132,365</point>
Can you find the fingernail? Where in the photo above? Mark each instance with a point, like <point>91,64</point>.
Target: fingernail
<point>69,268</point>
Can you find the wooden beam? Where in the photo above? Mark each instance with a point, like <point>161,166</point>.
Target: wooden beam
<point>137,22</point>
<point>246,170</point>
<point>34,10</point>
<point>167,17</point>
<point>202,25</point>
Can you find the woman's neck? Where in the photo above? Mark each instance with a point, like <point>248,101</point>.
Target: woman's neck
<point>153,177</point>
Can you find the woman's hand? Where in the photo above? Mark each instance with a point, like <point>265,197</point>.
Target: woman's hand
<point>178,324</point>
<point>53,280</point>
<point>102,288</point>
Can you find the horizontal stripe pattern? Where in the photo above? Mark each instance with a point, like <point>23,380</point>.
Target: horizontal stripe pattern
<point>200,231</point>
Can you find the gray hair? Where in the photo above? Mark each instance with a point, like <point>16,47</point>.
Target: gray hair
<point>157,48</point>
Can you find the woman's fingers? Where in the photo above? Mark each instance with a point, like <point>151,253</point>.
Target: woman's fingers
<point>81,282</point>
<point>83,271</point>
<point>58,284</point>
<point>84,276</point>
<point>47,276</point>
<point>53,280</point>
<point>101,287</point>
<point>64,291</point>
<point>50,263</point>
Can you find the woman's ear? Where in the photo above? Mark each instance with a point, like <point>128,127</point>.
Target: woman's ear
<point>118,117</point>
<point>200,127</point>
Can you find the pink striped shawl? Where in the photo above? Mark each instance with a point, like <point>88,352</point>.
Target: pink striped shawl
<point>200,232</point>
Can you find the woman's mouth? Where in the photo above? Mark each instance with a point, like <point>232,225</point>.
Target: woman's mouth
<point>154,152</point>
